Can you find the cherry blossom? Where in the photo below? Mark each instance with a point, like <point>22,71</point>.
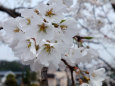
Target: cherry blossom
<point>48,34</point>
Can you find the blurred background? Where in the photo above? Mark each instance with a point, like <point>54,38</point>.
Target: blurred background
<point>13,73</point>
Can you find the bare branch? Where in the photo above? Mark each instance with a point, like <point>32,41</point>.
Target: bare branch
<point>113,5</point>
<point>71,68</point>
<point>1,28</point>
<point>113,69</point>
<point>11,12</point>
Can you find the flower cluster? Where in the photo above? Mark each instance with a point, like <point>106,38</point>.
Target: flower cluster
<point>45,35</point>
<point>41,35</point>
<point>95,78</point>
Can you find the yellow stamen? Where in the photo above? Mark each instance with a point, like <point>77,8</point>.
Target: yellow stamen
<point>55,25</point>
<point>63,27</point>
<point>36,11</point>
<point>48,48</point>
<point>86,78</point>
<point>16,30</point>
<point>43,28</point>
<point>29,45</point>
<point>50,13</point>
<point>37,47</point>
<point>28,21</point>
<point>44,20</point>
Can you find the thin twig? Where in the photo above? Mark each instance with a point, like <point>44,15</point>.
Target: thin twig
<point>113,69</point>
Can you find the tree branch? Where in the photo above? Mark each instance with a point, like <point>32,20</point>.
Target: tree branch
<point>113,5</point>
<point>112,69</point>
<point>11,12</point>
<point>71,68</point>
<point>1,28</point>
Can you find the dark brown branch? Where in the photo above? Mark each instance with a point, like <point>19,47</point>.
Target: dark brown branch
<point>73,82</point>
<point>67,64</point>
<point>1,28</point>
<point>71,68</point>
<point>11,12</point>
<point>113,5</point>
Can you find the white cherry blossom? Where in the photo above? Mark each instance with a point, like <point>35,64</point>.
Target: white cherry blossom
<point>97,76</point>
<point>43,36</point>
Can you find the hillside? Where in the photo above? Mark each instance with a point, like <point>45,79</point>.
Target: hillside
<point>13,66</point>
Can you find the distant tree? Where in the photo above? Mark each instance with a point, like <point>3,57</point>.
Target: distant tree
<point>5,65</point>
<point>33,76</point>
<point>26,79</point>
<point>11,80</point>
<point>34,85</point>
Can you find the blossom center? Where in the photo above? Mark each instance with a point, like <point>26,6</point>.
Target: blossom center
<point>48,48</point>
<point>37,47</point>
<point>16,30</point>
<point>28,21</point>
<point>50,13</point>
<point>29,43</point>
<point>36,11</point>
<point>43,28</point>
<point>63,27</point>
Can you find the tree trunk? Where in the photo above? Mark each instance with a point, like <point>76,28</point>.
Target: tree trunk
<point>44,77</point>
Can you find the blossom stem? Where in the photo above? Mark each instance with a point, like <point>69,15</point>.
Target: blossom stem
<point>44,77</point>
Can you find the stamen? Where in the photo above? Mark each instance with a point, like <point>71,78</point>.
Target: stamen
<point>55,25</point>
<point>16,30</point>
<point>50,13</point>
<point>48,48</point>
<point>36,11</point>
<point>45,20</point>
<point>29,45</point>
<point>42,28</point>
<point>28,21</point>
<point>37,47</point>
<point>63,27</point>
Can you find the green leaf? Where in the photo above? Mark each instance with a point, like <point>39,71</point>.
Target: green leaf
<point>62,21</point>
<point>88,38</point>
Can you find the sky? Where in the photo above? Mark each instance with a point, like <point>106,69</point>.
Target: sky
<point>6,53</point>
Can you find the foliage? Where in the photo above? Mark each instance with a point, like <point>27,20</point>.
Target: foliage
<point>34,85</point>
<point>10,80</point>
<point>26,78</point>
<point>5,66</point>
<point>29,77</point>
